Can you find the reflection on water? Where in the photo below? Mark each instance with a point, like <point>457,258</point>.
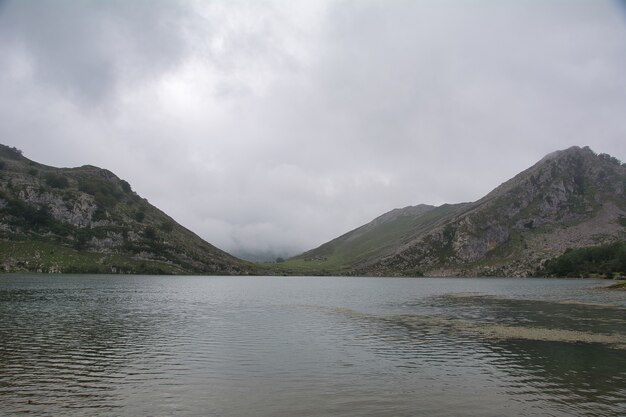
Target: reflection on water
<point>578,377</point>
<point>84,345</point>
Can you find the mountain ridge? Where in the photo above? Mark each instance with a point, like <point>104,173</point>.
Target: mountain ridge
<point>86,219</point>
<point>570,198</point>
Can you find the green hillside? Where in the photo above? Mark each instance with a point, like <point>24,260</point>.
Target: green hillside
<point>382,237</point>
<point>86,219</point>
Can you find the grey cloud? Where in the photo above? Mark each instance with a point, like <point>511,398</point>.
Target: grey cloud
<point>86,49</point>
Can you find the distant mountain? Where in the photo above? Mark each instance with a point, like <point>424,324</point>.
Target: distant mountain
<point>570,199</point>
<point>260,256</point>
<point>88,220</point>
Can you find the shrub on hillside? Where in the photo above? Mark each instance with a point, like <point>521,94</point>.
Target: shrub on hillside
<point>125,186</point>
<point>605,260</point>
<point>140,216</point>
<point>150,233</point>
<point>11,152</point>
<point>56,181</point>
<point>106,193</point>
<point>167,226</point>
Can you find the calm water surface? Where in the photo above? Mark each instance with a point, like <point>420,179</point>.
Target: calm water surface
<point>224,346</point>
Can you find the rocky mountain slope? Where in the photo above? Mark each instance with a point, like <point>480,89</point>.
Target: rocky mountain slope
<point>570,199</point>
<point>88,220</point>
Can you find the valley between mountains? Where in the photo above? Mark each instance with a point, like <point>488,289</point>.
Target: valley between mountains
<point>87,220</point>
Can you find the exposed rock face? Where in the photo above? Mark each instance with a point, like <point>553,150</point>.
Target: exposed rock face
<point>88,220</point>
<point>77,212</point>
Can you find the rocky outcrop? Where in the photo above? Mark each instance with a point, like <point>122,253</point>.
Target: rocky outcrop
<point>77,211</point>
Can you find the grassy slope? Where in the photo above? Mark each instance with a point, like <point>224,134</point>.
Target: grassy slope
<point>49,256</point>
<point>366,243</point>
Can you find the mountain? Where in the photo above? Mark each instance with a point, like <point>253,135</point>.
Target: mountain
<point>88,220</point>
<point>570,199</point>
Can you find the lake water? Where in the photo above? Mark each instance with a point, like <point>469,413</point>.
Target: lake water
<point>270,346</point>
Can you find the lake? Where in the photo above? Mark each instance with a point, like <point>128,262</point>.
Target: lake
<point>274,346</point>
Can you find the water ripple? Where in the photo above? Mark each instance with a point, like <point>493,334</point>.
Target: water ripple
<point>310,347</point>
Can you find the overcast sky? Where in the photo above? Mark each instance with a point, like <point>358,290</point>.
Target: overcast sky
<point>274,126</point>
